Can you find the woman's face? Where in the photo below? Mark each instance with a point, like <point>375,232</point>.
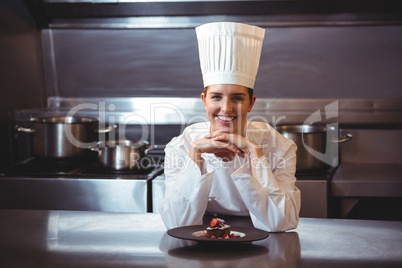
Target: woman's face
<point>227,107</point>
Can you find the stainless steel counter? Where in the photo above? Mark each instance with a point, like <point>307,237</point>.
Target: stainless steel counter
<point>367,180</point>
<point>87,194</point>
<point>33,238</point>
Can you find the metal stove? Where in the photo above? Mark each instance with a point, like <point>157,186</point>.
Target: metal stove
<point>78,185</point>
<point>87,185</point>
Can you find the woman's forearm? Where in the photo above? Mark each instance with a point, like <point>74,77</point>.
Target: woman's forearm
<point>255,154</point>
<point>195,155</point>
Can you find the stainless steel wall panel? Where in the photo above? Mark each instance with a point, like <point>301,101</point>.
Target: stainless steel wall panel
<point>21,72</point>
<point>50,67</point>
<point>373,146</point>
<point>183,111</point>
<point>296,62</point>
<point>107,63</point>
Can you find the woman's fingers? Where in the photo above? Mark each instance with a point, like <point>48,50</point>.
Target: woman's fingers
<point>231,142</point>
<point>224,145</point>
<point>236,140</point>
<point>215,134</point>
<point>213,146</point>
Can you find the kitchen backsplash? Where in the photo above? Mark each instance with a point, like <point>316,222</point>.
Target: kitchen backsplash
<point>296,62</point>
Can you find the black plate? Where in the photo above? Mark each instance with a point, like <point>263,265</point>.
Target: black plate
<point>247,234</point>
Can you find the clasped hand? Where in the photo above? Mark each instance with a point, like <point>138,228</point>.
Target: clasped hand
<point>225,145</point>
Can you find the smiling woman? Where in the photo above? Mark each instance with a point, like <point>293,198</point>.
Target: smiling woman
<point>227,107</point>
<point>225,166</point>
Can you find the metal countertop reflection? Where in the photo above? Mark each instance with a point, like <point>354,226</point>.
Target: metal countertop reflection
<point>98,239</point>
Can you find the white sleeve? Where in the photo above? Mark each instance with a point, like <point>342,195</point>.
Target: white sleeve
<point>187,191</point>
<point>272,198</point>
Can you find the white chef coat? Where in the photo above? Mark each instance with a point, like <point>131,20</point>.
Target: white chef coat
<point>271,199</point>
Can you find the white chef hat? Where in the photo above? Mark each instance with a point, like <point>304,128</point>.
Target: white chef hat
<point>229,53</point>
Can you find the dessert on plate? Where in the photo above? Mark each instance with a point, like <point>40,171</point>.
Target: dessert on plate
<point>218,229</point>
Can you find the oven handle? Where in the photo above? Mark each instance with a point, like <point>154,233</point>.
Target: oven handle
<point>25,130</point>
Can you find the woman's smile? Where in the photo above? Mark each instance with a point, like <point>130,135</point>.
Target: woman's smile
<point>224,119</point>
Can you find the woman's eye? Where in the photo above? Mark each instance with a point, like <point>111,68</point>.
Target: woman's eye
<point>238,98</point>
<point>215,97</point>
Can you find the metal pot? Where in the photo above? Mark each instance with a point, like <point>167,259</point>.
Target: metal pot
<point>63,137</point>
<point>316,145</point>
<point>122,154</point>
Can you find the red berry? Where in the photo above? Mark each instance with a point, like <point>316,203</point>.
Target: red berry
<point>225,236</point>
<point>232,236</point>
<point>220,237</point>
<point>214,222</point>
<point>204,235</point>
<point>213,236</point>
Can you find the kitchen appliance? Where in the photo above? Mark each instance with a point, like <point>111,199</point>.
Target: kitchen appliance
<point>63,136</point>
<point>314,144</point>
<point>89,185</point>
<point>317,161</point>
<point>314,188</point>
<point>86,185</point>
<point>122,154</point>
<point>88,57</point>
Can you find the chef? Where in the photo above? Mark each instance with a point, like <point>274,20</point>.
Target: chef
<point>229,165</point>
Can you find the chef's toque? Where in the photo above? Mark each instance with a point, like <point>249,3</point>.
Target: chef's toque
<point>229,53</point>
